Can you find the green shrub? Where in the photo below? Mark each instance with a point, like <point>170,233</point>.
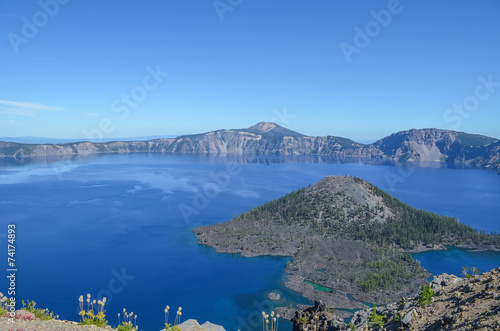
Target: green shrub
<point>376,318</point>
<point>425,295</point>
<point>126,326</point>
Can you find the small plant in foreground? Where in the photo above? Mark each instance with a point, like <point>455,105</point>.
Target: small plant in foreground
<point>42,314</point>
<point>89,317</point>
<point>274,321</point>
<point>425,295</point>
<point>303,320</point>
<point>127,324</point>
<point>25,315</point>
<point>351,326</point>
<point>177,321</point>
<point>3,304</point>
<point>376,318</point>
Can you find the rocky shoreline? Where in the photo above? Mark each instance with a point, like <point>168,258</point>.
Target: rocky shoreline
<point>336,299</point>
<point>307,265</point>
<point>458,304</point>
<point>471,247</point>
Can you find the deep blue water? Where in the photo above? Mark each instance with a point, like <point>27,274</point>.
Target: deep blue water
<point>119,226</point>
<point>454,259</point>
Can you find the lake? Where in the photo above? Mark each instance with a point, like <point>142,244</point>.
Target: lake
<point>119,226</point>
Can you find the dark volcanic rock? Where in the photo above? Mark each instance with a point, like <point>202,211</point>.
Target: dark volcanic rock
<point>318,317</point>
<point>274,296</point>
<point>287,313</point>
<point>465,304</point>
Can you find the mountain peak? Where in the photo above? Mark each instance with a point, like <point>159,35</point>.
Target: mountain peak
<point>273,129</point>
<point>263,126</point>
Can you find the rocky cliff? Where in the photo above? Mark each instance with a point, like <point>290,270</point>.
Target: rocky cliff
<point>431,145</point>
<point>458,304</point>
<point>267,138</point>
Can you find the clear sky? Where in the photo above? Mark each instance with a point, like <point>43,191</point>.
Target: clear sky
<point>357,69</point>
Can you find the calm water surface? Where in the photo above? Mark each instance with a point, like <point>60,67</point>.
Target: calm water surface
<point>119,226</point>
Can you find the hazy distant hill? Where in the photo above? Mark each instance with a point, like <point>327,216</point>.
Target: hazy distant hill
<point>267,138</point>
<point>45,140</point>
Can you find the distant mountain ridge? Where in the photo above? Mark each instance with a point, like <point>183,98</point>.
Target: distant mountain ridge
<point>268,138</point>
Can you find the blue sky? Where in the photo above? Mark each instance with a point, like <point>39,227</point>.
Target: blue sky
<point>358,69</point>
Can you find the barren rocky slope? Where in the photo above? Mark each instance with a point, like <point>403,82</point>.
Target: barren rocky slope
<point>441,145</point>
<point>459,304</point>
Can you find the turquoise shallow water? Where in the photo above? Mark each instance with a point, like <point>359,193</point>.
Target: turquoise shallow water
<point>120,226</point>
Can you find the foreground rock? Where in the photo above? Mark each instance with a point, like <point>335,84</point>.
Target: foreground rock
<point>193,325</point>
<point>318,317</point>
<point>459,304</point>
<point>26,321</point>
<point>51,325</point>
<point>287,313</point>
